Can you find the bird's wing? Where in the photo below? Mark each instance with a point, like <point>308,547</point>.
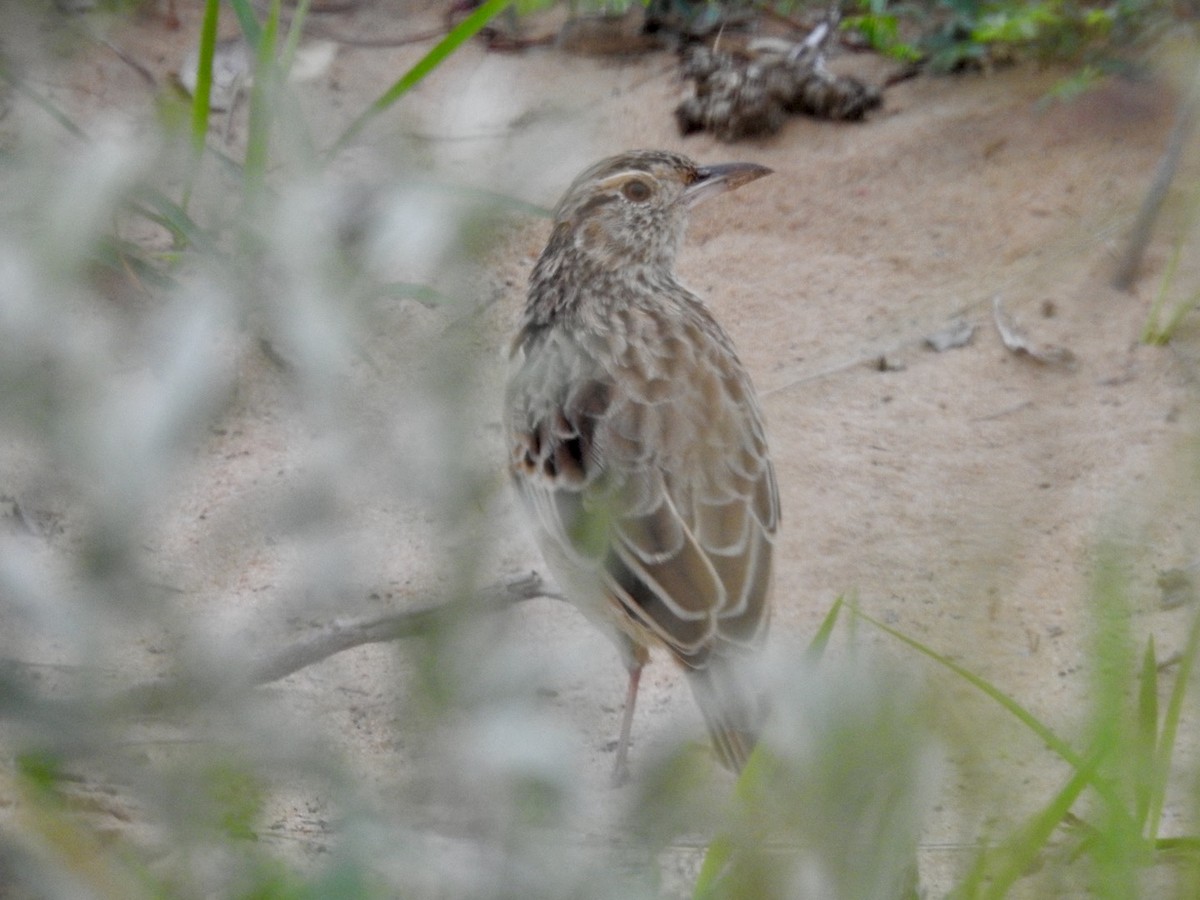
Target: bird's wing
<point>645,462</point>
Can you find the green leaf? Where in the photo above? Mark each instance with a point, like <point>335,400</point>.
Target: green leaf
<point>158,207</point>
<point>126,257</point>
<point>204,71</point>
<point>1052,740</point>
<point>251,30</point>
<point>430,61</point>
<point>1055,743</point>
<point>19,85</point>
<point>1170,728</point>
<point>295,30</point>
<point>42,771</point>
<point>755,779</point>
<point>258,139</point>
<point>717,861</point>
<point>238,798</point>
<point>996,869</point>
<point>882,33</point>
<point>1147,726</point>
<point>816,646</point>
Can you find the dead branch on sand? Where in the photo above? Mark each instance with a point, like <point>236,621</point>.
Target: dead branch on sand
<point>1139,236</point>
<point>162,695</point>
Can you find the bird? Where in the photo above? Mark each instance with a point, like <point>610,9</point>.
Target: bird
<point>637,443</point>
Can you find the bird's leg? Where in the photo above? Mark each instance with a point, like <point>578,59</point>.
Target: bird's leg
<point>621,767</point>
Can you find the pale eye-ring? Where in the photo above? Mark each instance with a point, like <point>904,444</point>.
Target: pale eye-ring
<point>636,190</point>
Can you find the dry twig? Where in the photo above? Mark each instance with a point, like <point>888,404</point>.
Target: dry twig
<point>1139,236</point>
<point>328,640</point>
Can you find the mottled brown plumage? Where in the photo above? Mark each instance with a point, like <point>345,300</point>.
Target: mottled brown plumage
<point>637,443</point>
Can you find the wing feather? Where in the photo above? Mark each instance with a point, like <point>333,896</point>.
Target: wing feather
<point>657,486</point>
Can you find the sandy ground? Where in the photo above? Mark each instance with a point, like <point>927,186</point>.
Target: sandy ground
<point>961,497</point>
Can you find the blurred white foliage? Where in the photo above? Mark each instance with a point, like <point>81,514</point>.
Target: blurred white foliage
<point>35,598</point>
<point>864,766</point>
<point>418,227</point>
<point>305,312</point>
<point>79,201</point>
<point>149,408</point>
<point>512,742</point>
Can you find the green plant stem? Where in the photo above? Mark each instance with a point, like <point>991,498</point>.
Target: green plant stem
<point>1052,740</point>
<point>1145,771</point>
<point>1055,743</point>
<point>1170,728</point>
<point>754,780</point>
<point>816,647</point>
<point>1185,123</point>
<point>295,29</point>
<point>1001,867</point>
<point>259,129</point>
<point>156,206</point>
<point>19,85</point>
<point>204,72</point>
<point>1178,315</point>
<point>1153,332</point>
<point>251,30</point>
<point>430,61</point>
<point>202,94</point>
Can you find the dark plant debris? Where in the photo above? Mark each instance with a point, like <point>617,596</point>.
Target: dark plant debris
<point>749,92</point>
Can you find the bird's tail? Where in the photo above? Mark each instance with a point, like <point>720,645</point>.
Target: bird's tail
<point>733,704</point>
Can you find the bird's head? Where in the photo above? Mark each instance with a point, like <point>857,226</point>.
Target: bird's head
<point>632,209</point>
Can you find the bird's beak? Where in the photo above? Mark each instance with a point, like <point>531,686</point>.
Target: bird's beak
<point>713,180</point>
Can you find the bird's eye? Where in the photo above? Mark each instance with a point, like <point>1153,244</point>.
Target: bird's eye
<point>636,190</point>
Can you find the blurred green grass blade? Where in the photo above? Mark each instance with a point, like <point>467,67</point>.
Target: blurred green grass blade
<point>430,61</point>
<point>1178,314</point>
<point>259,129</point>
<point>292,41</point>
<point>19,85</point>
<point>158,207</point>
<point>717,861</point>
<point>1148,695</point>
<point>727,852</point>
<point>754,781</point>
<point>1055,743</point>
<point>816,647</point>
<point>1154,332</point>
<point>1170,728</point>
<point>997,869</point>
<point>427,296</point>
<point>127,258</point>
<point>1188,845</point>
<point>1052,740</point>
<point>1145,769</point>
<point>204,72</point>
<point>41,770</point>
<point>251,30</point>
